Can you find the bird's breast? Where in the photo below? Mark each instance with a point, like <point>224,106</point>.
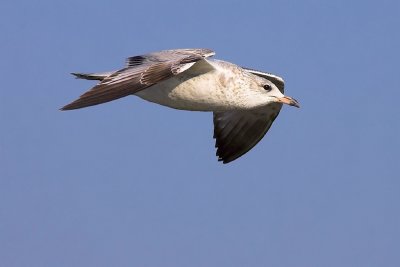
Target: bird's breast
<point>210,91</point>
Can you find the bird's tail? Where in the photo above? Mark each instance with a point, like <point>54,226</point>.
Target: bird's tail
<point>92,76</point>
<point>109,88</point>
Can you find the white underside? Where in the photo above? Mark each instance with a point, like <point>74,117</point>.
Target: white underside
<point>206,86</point>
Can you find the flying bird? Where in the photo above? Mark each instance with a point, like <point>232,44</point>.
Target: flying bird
<point>244,102</point>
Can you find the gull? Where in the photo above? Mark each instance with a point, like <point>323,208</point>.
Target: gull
<point>244,102</point>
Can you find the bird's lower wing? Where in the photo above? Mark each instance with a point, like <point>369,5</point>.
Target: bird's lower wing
<point>236,132</point>
<point>135,78</point>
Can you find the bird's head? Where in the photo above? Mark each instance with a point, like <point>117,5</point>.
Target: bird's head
<point>273,95</point>
<point>267,89</point>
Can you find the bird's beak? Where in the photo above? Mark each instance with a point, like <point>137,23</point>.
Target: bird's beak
<point>289,101</point>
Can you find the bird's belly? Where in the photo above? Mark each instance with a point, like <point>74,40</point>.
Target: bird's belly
<point>199,93</point>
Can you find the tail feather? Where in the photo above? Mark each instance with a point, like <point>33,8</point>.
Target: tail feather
<point>107,90</point>
<point>92,76</point>
<point>98,95</point>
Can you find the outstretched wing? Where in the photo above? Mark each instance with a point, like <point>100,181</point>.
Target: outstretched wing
<point>141,72</point>
<point>236,132</point>
<point>167,55</point>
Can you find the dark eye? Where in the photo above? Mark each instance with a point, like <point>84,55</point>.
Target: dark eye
<point>267,87</point>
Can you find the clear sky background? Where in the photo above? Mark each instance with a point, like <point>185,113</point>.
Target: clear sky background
<point>131,183</point>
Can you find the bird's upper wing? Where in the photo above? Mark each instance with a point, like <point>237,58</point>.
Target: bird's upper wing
<point>167,55</point>
<point>140,72</point>
<point>278,81</point>
<point>236,132</point>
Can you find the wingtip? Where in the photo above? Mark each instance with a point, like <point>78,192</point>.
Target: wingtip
<point>64,108</point>
<point>75,74</point>
<point>71,106</point>
<point>223,161</point>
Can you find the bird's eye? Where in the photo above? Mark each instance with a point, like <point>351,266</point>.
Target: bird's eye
<point>267,87</point>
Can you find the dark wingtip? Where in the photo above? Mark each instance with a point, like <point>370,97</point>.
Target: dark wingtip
<point>73,105</point>
<point>75,74</point>
<point>224,161</point>
<point>64,108</point>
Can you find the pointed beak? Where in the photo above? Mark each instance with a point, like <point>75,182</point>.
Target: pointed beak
<point>289,101</point>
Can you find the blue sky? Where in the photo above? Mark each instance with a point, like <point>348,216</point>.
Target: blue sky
<point>130,183</point>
